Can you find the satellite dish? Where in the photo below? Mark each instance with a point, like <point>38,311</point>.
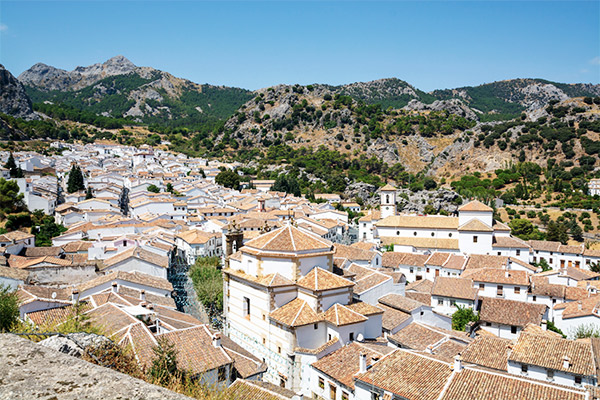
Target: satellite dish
<point>53,295</point>
<point>360,338</point>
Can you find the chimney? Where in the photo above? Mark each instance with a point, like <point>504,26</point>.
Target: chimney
<point>458,363</point>
<point>429,349</point>
<point>362,363</point>
<point>506,274</point>
<point>509,264</point>
<point>566,362</point>
<point>75,296</point>
<point>216,340</point>
<point>115,287</point>
<point>544,324</point>
<point>579,305</point>
<point>143,304</point>
<point>143,295</point>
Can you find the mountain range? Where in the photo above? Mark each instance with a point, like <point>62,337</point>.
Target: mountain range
<point>443,131</point>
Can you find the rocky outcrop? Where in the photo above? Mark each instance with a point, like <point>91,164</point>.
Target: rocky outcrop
<point>13,98</point>
<point>453,106</point>
<point>74,344</point>
<point>415,202</point>
<point>31,371</point>
<point>363,191</point>
<point>48,78</point>
<point>384,151</point>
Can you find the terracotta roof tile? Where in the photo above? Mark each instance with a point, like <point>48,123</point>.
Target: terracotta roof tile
<point>319,279</point>
<point>295,313</point>
<point>340,315</point>
<point>457,288</point>
<point>488,351</point>
<point>423,222</point>
<point>475,205</point>
<point>511,312</point>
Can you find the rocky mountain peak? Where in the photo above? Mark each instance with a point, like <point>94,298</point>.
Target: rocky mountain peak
<point>13,98</point>
<point>47,78</point>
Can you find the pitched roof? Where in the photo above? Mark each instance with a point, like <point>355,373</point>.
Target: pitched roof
<point>340,315</point>
<point>500,276</point>
<point>195,350</point>
<point>511,312</point>
<point>419,336</point>
<point>343,364</point>
<point>13,273</point>
<point>475,225</point>
<point>488,351</point>
<point>392,259</point>
<point>195,236</point>
<point>133,277</point>
<point>289,239</point>
<point>458,288</point>
<point>138,253</point>
<point>400,302</point>
<point>550,353</point>
<point>421,286</point>
<point>408,375</point>
<point>295,313</point>
<point>392,318</point>
<point>475,205</point>
<point>388,188</point>
<point>510,242</point>
<point>421,242</point>
<point>257,390</point>
<point>353,253</point>
<point>486,385</point>
<point>319,279</point>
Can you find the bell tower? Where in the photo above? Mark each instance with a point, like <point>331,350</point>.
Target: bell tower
<point>388,201</point>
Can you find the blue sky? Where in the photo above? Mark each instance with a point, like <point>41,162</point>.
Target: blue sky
<point>255,44</point>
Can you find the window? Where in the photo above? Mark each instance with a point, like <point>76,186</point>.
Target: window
<point>432,234</point>
<point>316,326</point>
<point>264,340</point>
<point>374,396</point>
<point>488,324</point>
<point>474,239</point>
<point>481,286</point>
<point>414,233</point>
<point>387,199</point>
<point>450,234</point>
<point>365,225</point>
<point>332,391</point>
<point>247,307</point>
<point>427,269</point>
<point>329,337</point>
<point>524,369</point>
<point>222,374</point>
<point>499,253</point>
<point>282,382</point>
<point>517,289</point>
<point>518,252</point>
<point>344,396</point>
<point>578,380</point>
<point>440,302</point>
<point>411,268</point>
<point>351,336</point>
<point>534,298</point>
<point>397,233</point>
<point>264,317</point>
<point>551,261</point>
<point>550,374</point>
<point>513,329</point>
<point>279,349</point>
<point>321,383</point>
<point>500,290</point>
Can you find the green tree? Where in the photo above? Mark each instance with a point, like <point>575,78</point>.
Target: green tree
<point>9,309</point>
<point>557,232</point>
<point>15,171</point>
<point>45,228</point>
<point>288,184</point>
<point>576,232</point>
<point>11,201</point>
<point>229,179</point>
<point>75,181</point>
<point>169,187</point>
<point>153,189</point>
<point>88,193</point>
<point>462,316</point>
<point>208,282</point>
<point>524,229</point>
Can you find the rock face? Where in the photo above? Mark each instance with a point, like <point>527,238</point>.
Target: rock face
<point>30,371</point>
<point>362,190</point>
<point>384,151</point>
<point>13,98</point>
<point>415,202</point>
<point>48,78</point>
<point>74,344</point>
<point>453,106</point>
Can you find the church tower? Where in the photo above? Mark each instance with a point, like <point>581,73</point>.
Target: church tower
<point>388,201</point>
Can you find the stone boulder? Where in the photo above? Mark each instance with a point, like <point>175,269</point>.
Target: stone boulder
<point>74,344</point>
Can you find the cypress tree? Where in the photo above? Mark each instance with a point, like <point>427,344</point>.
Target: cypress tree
<point>75,182</point>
